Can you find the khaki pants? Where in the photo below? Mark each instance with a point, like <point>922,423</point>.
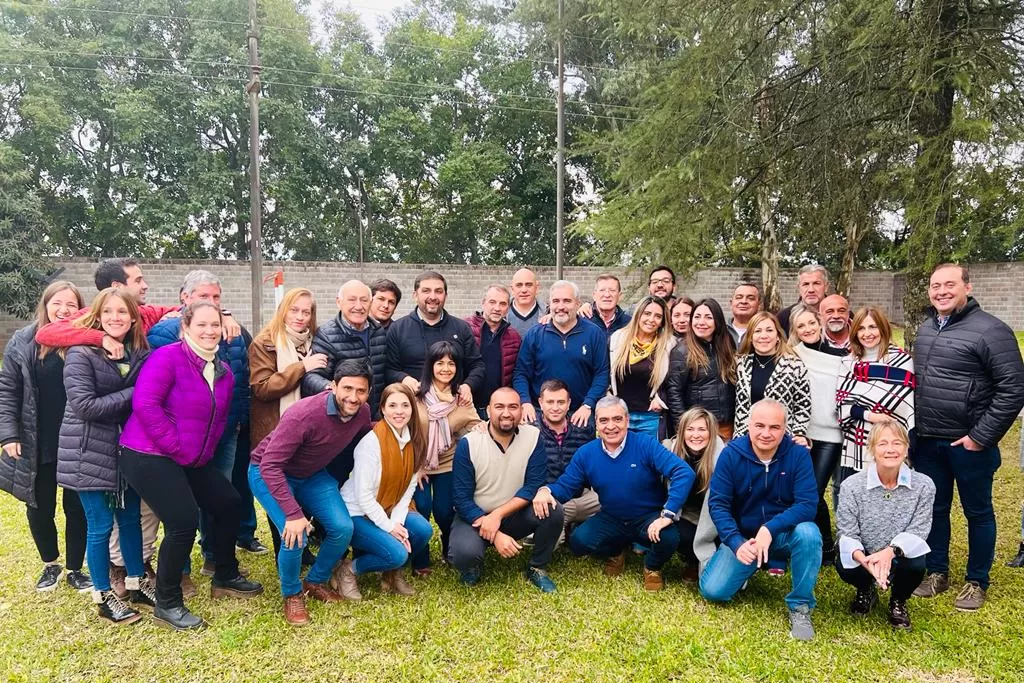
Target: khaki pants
<point>579,510</point>
<point>150,524</point>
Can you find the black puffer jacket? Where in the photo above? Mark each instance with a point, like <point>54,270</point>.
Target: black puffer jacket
<point>339,341</point>
<point>410,337</point>
<point>707,390</point>
<point>18,415</point>
<point>970,378</point>
<point>99,403</point>
<point>559,454</point>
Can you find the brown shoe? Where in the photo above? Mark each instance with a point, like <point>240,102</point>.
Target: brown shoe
<point>321,592</point>
<point>652,580</point>
<point>932,585</point>
<point>614,566</point>
<point>188,589</point>
<point>691,573</point>
<point>394,582</point>
<point>343,581</point>
<point>117,577</point>
<point>970,598</point>
<point>295,612</point>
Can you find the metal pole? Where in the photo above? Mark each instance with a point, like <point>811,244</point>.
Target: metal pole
<point>560,157</point>
<point>255,199</point>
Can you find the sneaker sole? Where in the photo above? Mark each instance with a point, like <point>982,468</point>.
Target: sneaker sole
<point>82,590</point>
<point>264,551</point>
<point>216,592</point>
<point>50,588</point>
<point>967,609</point>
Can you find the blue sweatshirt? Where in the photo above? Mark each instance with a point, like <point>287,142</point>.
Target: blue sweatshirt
<point>630,486</point>
<point>746,494</point>
<point>579,358</point>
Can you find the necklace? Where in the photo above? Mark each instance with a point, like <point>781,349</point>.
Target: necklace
<point>761,365</point>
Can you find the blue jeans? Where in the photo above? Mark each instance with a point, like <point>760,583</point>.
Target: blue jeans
<point>224,462</point>
<point>646,422</point>
<point>319,495</point>
<point>606,536</point>
<point>435,497</point>
<point>240,480</point>
<point>724,574</point>
<point>379,551</point>
<point>972,472</point>
<point>99,517</point>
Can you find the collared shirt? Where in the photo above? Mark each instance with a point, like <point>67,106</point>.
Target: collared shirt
<point>902,479</point>
<point>942,320</point>
<point>333,410</point>
<point>618,451</point>
<point>833,343</point>
<point>560,435</point>
<point>740,330</point>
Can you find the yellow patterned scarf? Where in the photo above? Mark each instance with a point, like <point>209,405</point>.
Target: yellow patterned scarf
<point>638,350</point>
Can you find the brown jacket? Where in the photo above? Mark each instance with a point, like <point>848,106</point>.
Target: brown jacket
<point>460,420</point>
<point>268,385</point>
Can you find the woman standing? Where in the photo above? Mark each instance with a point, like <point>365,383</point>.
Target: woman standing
<point>180,409</point>
<point>639,363</point>
<point>443,420</point>
<point>682,309</point>
<point>883,519</point>
<point>702,369</point>
<point>32,401</point>
<point>385,531</point>
<point>876,384</point>
<point>766,367</point>
<point>824,365</point>
<point>99,392</point>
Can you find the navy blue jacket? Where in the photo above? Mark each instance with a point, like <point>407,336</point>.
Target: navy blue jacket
<point>579,358</point>
<point>559,454</point>
<point>620,320</point>
<point>409,338</point>
<point>746,494</point>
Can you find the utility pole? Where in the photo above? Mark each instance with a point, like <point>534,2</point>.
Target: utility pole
<point>560,157</point>
<point>255,199</point>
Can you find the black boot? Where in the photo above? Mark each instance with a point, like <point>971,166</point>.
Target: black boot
<point>863,602</point>
<point>177,618</point>
<point>113,609</point>
<point>141,592</point>
<point>238,587</point>
<point>899,617</point>
<point>1018,561</point>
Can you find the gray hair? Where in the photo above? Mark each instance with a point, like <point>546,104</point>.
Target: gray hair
<point>341,289</point>
<point>815,268</point>
<point>566,283</point>
<point>501,288</point>
<point>772,403</point>
<point>196,278</point>
<point>610,402</point>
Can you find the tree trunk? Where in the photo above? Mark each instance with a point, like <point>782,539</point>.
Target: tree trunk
<point>769,250</point>
<point>854,235</point>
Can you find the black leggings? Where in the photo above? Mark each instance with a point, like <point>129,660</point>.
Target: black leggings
<point>824,458</point>
<point>904,576</point>
<point>176,494</point>
<point>43,527</point>
<point>687,534</point>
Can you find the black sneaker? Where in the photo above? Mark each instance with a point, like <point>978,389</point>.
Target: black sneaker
<point>50,578</point>
<point>79,581</point>
<point>1018,561</point>
<point>899,617</point>
<point>863,602</point>
<point>254,546</point>
<point>141,591</point>
<point>238,587</point>
<point>177,618</point>
<point>113,609</point>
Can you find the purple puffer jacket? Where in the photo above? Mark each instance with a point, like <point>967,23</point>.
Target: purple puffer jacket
<point>174,413</point>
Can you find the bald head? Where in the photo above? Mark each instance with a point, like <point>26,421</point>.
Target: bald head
<point>354,303</point>
<point>524,289</point>
<point>767,427</point>
<point>835,313</point>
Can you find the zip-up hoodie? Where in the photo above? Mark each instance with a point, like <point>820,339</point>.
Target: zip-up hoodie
<point>579,358</point>
<point>174,412</point>
<point>746,494</point>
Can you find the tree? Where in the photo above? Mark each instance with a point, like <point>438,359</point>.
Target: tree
<point>23,265</point>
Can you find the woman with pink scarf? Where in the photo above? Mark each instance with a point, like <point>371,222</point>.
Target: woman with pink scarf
<point>444,420</point>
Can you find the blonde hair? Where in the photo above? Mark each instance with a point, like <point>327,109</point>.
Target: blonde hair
<point>795,313</point>
<point>887,425</point>
<point>276,327</point>
<point>43,319</point>
<point>620,363</point>
<point>782,348</point>
<point>704,466</point>
<point>136,337</point>
<point>857,349</point>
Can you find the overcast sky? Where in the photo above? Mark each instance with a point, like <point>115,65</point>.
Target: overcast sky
<point>372,11</point>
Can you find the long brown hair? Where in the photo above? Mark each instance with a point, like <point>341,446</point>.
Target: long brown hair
<point>136,337</point>
<point>721,345</point>
<point>782,348</point>
<point>417,438</point>
<point>857,349</point>
<point>276,327</point>
<point>42,319</point>
<point>705,465</point>
<point>620,363</point>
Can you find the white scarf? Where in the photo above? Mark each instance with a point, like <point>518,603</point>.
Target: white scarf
<point>291,347</point>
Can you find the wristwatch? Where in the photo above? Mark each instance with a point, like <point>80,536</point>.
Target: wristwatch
<point>668,514</point>
<point>896,550</point>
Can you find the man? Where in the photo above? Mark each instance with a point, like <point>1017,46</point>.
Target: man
<point>745,302</point>
<point>525,311</point>
<point>628,472</point>
<point>835,315</point>
<point>606,313</point>
<point>762,499</point>
<point>661,283</point>
<point>409,338</point>
<point>288,476</point>
<point>498,341</point>
<point>495,476</point>
<point>386,297</point>
<point>567,347</point>
<point>561,439</point>
<point>350,335</point>
<point>811,286</point>
<point>970,389</point>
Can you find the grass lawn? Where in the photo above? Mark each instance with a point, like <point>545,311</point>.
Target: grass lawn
<point>592,629</point>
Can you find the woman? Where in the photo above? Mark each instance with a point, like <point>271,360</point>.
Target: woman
<point>883,519</point>
<point>639,363</point>
<point>824,365</point>
<point>99,392</point>
<point>443,421</point>
<point>766,367</point>
<point>697,442</point>
<point>179,412</point>
<point>702,369</point>
<point>32,400</point>
<point>681,311</point>
<point>385,532</point>
<point>876,383</point>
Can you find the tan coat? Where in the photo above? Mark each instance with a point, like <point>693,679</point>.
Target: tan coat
<point>460,420</point>
<point>268,385</point>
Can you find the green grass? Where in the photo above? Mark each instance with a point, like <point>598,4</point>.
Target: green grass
<point>593,629</point>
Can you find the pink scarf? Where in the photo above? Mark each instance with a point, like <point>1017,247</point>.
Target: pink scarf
<point>439,432</point>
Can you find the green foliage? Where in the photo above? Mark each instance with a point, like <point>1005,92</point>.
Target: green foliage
<point>23,265</point>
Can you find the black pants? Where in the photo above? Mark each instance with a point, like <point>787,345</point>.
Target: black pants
<point>468,546</point>
<point>687,533</point>
<point>43,527</point>
<point>904,577</point>
<point>824,458</point>
<point>176,494</point>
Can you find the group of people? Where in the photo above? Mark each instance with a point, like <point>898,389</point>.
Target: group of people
<point>663,428</point>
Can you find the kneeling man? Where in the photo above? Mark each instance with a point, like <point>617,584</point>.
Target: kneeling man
<point>762,499</point>
<point>495,476</point>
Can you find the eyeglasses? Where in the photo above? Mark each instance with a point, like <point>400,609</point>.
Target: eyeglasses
<point>661,281</point>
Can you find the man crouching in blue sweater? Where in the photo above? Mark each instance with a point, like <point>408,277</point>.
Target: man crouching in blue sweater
<point>762,499</point>
<point>628,473</point>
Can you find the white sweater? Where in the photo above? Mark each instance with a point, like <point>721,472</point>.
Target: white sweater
<point>823,371</point>
<point>360,491</point>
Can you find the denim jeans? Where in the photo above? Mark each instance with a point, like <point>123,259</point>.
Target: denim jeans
<point>972,472</point>
<point>436,497</point>
<point>646,422</point>
<point>99,518</point>
<point>379,551</point>
<point>606,536</point>
<point>240,480</point>
<point>724,574</point>
<point>320,495</point>
<point>224,462</point>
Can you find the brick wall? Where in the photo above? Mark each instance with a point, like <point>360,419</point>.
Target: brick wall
<point>997,286</point>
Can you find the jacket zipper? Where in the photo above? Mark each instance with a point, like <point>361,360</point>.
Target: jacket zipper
<point>213,413</point>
